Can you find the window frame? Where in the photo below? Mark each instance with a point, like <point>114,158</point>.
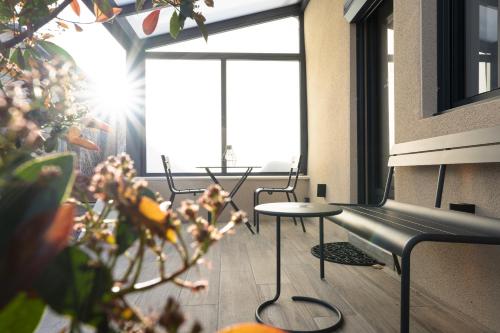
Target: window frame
<point>451,58</point>
<point>224,57</point>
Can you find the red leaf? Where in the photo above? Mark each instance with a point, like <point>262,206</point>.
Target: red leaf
<point>33,245</point>
<point>150,22</point>
<point>76,7</point>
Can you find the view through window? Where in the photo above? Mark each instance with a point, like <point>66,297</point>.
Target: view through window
<point>242,88</point>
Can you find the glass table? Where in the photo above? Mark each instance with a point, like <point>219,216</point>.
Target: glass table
<point>299,209</point>
<point>237,186</point>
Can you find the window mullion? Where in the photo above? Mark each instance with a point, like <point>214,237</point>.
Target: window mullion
<point>223,90</point>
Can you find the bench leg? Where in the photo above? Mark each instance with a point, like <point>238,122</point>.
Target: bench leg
<point>321,250</point>
<point>405,293</point>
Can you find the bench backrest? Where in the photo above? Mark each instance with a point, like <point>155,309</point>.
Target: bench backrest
<point>471,147</point>
<point>476,146</point>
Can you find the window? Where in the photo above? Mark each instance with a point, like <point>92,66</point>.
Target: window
<point>468,51</point>
<point>263,112</point>
<point>183,114</point>
<point>197,103</point>
<point>280,36</point>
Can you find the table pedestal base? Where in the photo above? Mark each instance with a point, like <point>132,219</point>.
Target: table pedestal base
<point>330,328</point>
<point>298,298</point>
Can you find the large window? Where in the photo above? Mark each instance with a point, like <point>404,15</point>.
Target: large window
<point>468,51</point>
<point>183,113</point>
<point>198,103</point>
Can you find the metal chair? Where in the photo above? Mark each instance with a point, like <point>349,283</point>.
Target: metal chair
<point>170,180</point>
<point>289,189</point>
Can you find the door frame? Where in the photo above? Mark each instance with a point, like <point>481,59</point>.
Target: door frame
<point>364,80</point>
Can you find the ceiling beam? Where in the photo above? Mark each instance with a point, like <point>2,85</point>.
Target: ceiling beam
<point>131,10</point>
<point>303,5</point>
<point>226,25</point>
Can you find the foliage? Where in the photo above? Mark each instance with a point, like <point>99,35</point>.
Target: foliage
<point>49,254</point>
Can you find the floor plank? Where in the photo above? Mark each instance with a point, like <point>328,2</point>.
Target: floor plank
<point>238,297</point>
<point>286,313</point>
<point>209,270</point>
<point>242,274</point>
<point>204,314</point>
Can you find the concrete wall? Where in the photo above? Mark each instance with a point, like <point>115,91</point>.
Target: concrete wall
<point>329,60</point>
<point>466,277</point>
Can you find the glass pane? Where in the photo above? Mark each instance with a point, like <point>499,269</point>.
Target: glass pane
<point>183,112</point>
<point>280,36</point>
<point>223,10</point>
<point>481,46</point>
<point>263,112</point>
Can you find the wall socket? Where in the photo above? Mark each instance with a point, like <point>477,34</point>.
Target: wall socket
<point>463,207</point>
<point>321,191</point>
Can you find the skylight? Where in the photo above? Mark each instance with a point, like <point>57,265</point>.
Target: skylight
<point>223,10</point>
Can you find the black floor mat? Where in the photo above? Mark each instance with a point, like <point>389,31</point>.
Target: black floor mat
<point>345,253</point>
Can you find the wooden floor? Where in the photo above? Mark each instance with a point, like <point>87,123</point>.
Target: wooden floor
<point>242,275</point>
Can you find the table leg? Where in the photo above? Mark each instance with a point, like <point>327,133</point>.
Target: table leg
<point>278,273</point>
<point>233,192</point>
<point>321,250</point>
<point>262,306</point>
<point>237,187</point>
<point>278,259</point>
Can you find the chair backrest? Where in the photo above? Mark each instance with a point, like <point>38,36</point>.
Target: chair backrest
<point>295,167</point>
<point>168,173</point>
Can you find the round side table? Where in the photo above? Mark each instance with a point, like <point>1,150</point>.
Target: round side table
<point>299,209</point>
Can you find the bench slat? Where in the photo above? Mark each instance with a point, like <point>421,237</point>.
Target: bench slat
<point>483,136</point>
<point>394,224</point>
<point>481,154</point>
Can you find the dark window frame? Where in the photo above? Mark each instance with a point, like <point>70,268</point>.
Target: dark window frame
<point>223,57</point>
<point>365,82</point>
<point>451,58</point>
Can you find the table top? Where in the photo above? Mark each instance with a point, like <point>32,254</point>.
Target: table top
<point>298,209</point>
<point>229,167</point>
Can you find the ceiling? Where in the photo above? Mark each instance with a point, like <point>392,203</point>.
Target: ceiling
<point>225,15</point>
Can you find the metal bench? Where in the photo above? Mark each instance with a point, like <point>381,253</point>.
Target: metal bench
<point>397,227</point>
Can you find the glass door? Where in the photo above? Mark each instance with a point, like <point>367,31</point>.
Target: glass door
<point>378,108</point>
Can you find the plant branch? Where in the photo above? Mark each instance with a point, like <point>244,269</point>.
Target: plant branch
<point>28,33</point>
<point>141,258</point>
<point>142,286</point>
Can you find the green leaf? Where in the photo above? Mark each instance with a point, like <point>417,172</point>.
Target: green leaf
<point>126,235</point>
<point>105,7</point>
<point>148,193</point>
<point>72,285</point>
<point>21,315</point>
<point>139,4</point>
<point>203,29</point>
<point>28,55</point>
<point>30,171</point>
<point>23,198</point>
<point>186,8</point>
<point>5,12</point>
<point>175,25</point>
<point>55,50</point>
<point>16,56</point>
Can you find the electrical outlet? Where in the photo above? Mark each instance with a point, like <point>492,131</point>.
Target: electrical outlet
<point>463,207</point>
<point>321,191</point>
